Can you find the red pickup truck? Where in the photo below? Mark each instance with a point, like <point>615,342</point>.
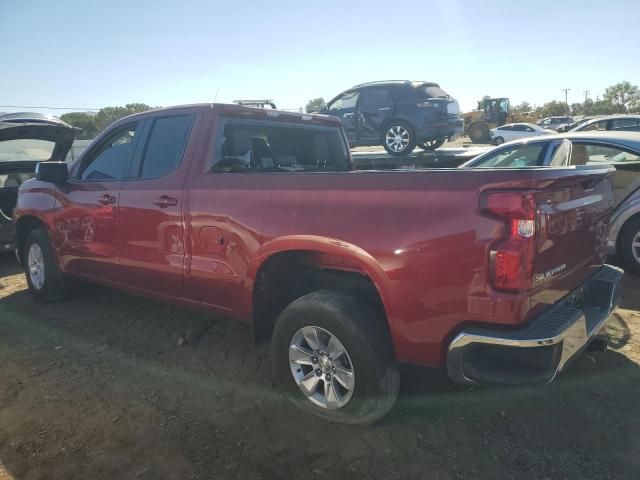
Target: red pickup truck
<point>496,275</point>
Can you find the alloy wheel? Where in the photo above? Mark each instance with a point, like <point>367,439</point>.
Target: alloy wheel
<point>397,138</point>
<point>35,261</point>
<point>635,246</point>
<point>321,367</point>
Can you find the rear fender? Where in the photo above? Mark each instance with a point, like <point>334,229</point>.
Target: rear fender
<point>328,253</point>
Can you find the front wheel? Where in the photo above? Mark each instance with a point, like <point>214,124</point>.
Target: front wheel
<point>333,356</point>
<point>498,141</point>
<point>44,278</point>
<point>431,145</point>
<point>629,247</point>
<point>399,139</point>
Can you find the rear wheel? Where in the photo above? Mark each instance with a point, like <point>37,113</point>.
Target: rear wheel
<point>398,138</point>
<point>332,354</point>
<point>431,145</point>
<point>629,247</point>
<point>44,277</point>
<point>478,133</point>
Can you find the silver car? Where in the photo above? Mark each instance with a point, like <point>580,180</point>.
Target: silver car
<point>620,149</point>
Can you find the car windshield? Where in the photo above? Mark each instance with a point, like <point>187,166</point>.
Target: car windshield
<point>528,155</point>
<point>26,149</point>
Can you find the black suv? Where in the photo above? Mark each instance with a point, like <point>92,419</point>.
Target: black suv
<point>399,114</point>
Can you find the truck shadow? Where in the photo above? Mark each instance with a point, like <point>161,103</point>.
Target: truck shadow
<point>206,376</point>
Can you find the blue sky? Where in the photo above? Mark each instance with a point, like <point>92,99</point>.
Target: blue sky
<point>86,53</point>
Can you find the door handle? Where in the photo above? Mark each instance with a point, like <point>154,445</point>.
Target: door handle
<point>165,201</point>
<point>348,115</point>
<point>384,108</point>
<point>107,199</point>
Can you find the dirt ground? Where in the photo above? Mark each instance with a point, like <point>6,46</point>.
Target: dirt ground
<point>102,387</point>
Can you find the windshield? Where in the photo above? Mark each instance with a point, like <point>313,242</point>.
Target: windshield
<point>529,155</point>
<point>26,149</point>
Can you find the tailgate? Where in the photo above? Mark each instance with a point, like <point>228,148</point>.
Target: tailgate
<point>573,222</point>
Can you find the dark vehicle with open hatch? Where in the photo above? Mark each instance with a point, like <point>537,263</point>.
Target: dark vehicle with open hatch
<point>25,140</point>
<point>397,114</point>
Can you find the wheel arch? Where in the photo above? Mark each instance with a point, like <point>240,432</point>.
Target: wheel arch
<point>330,260</point>
<point>25,225</point>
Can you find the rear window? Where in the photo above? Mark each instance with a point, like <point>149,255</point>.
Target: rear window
<point>265,147</point>
<point>26,149</point>
<point>432,91</point>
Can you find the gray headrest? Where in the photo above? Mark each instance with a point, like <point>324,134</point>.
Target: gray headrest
<point>240,142</point>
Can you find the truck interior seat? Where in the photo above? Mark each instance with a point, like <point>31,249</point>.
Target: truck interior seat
<point>321,150</point>
<point>579,155</point>
<point>262,152</point>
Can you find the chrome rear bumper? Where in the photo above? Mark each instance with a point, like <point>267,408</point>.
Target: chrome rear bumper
<point>541,350</point>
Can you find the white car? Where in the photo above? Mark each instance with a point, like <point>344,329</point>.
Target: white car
<point>515,131</point>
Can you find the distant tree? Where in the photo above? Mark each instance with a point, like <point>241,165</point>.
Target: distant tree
<point>522,107</point>
<point>553,108</point>
<point>624,96</point>
<point>598,107</point>
<point>314,105</point>
<point>577,109</point>
<point>106,116</point>
<point>83,121</point>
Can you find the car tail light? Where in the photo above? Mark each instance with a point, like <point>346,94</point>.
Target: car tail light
<point>511,257</point>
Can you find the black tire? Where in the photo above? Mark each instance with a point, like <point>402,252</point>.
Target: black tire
<point>478,132</point>
<point>630,231</point>
<point>399,124</point>
<point>53,287</point>
<point>366,340</point>
<point>430,146</point>
<point>498,141</point>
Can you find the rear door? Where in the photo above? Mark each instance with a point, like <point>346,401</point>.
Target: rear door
<point>151,202</point>
<point>375,107</point>
<point>86,236</point>
<point>344,107</point>
<point>626,180</point>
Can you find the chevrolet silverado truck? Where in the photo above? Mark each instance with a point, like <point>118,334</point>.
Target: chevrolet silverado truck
<point>496,276</point>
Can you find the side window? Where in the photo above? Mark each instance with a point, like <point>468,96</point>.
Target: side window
<point>347,100</point>
<point>506,128</point>
<point>375,98</point>
<point>165,145</point>
<point>595,126</point>
<point>112,159</point>
<point>518,128</point>
<point>596,154</point>
<point>626,124</point>
<point>528,129</point>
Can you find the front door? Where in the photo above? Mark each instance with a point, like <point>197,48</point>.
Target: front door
<point>344,107</point>
<point>151,200</point>
<point>375,107</point>
<point>86,236</point>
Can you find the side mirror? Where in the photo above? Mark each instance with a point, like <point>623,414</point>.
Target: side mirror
<point>52,172</point>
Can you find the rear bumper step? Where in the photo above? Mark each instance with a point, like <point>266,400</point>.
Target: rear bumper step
<point>540,351</point>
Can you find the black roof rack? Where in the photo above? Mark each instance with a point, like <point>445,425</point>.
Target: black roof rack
<point>382,82</point>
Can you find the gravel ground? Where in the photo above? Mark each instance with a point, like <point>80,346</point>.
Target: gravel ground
<point>109,386</point>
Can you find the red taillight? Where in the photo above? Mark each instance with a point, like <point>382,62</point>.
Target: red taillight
<point>512,257</point>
